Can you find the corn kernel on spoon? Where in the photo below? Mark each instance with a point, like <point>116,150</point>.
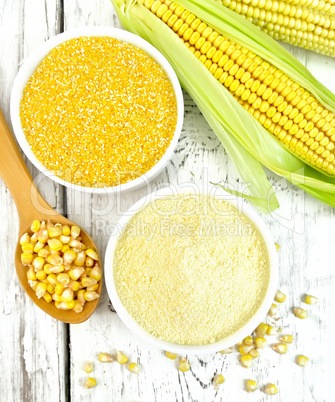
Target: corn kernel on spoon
<point>31,206</point>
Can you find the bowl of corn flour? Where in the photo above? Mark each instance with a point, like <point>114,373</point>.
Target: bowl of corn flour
<point>191,272</point>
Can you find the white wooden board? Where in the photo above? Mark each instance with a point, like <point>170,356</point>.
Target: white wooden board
<point>42,359</point>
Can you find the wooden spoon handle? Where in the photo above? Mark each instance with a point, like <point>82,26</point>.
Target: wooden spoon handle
<point>16,176</point>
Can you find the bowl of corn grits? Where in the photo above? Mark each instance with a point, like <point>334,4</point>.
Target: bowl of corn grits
<point>97,109</point>
<point>191,272</point>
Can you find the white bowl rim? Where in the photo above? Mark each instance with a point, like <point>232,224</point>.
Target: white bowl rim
<point>227,342</point>
<point>32,62</point>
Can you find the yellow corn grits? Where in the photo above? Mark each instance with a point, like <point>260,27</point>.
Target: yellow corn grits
<point>98,112</point>
<point>191,270</point>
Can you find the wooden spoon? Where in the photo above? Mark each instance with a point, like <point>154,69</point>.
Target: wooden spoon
<point>30,206</point>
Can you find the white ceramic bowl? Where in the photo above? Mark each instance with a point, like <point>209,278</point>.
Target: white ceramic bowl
<point>247,329</point>
<point>33,61</point>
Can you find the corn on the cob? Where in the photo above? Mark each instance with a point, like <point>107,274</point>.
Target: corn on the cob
<point>283,107</point>
<point>307,24</point>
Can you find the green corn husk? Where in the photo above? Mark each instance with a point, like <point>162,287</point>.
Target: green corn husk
<point>246,141</point>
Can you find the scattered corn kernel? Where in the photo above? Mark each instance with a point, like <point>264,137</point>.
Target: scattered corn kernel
<point>171,355</point>
<point>302,360</point>
<point>134,368</point>
<point>271,330</point>
<point>280,297</point>
<point>261,329</point>
<point>273,310</point>
<point>90,383</point>
<point>88,367</point>
<point>254,353</point>
<point>286,338</point>
<point>219,379</point>
<point>271,389</point>
<point>244,349</point>
<point>300,313</point>
<point>260,342</point>
<point>251,386</point>
<point>227,351</point>
<point>246,361</point>
<point>280,348</point>
<point>248,340</point>
<point>311,299</point>
<point>105,358</point>
<point>121,357</point>
<point>184,364</point>
<point>277,246</point>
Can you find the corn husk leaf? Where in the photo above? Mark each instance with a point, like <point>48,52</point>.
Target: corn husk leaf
<point>243,137</point>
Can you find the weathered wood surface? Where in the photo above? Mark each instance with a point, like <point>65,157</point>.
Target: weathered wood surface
<point>42,359</point>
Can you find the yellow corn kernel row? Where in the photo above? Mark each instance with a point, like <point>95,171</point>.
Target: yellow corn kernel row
<point>60,267</point>
<point>307,27</point>
<point>284,108</point>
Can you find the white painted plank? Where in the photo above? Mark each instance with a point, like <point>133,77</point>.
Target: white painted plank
<point>33,345</point>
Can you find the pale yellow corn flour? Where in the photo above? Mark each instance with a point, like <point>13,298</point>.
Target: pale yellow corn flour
<point>191,269</point>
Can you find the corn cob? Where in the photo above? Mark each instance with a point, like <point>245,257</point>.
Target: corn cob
<point>305,23</point>
<point>283,107</point>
